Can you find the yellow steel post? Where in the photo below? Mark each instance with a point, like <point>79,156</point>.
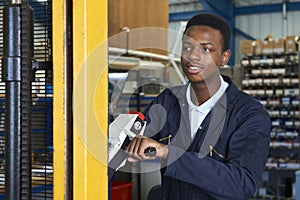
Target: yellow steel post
<point>58,100</point>
<point>90,99</point>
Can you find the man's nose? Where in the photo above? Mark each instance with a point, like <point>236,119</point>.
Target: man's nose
<point>195,54</point>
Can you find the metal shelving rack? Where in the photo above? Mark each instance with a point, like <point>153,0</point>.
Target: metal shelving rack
<point>273,79</point>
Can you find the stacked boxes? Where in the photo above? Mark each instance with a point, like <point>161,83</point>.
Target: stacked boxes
<point>271,75</point>
<point>247,47</point>
<point>279,46</point>
<point>292,43</point>
<point>258,48</point>
<point>270,46</point>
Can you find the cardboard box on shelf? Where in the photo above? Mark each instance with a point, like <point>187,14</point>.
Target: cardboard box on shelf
<point>268,47</point>
<point>247,47</point>
<point>268,44</point>
<point>279,46</point>
<point>269,37</point>
<point>258,47</point>
<point>291,44</point>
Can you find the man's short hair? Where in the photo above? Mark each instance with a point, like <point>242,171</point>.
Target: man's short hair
<point>212,21</point>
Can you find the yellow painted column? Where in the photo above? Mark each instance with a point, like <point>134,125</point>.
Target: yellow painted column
<point>58,100</point>
<point>90,99</point>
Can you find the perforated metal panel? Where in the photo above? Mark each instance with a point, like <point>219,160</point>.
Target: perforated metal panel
<point>42,134</point>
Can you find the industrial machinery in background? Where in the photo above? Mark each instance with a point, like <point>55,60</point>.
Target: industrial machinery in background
<point>26,100</point>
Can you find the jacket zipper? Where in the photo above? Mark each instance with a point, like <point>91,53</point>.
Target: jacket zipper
<point>166,138</point>
<point>211,150</point>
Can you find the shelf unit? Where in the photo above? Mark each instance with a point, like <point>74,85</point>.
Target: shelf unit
<point>273,79</point>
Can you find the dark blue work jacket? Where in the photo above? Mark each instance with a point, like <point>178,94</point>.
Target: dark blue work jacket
<point>226,158</point>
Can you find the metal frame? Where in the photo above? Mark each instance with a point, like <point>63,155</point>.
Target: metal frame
<point>243,10</point>
<point>17,73</point>
<point>266,8</point>
<point>89,31</point>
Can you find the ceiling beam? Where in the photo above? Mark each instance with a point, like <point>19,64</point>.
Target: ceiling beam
<point>183,16</point>
<point>243,34</point>
<point>223,8</point>
<point>266,8</point>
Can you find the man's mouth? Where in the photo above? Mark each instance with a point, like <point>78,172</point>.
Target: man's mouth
<point>194,69</point>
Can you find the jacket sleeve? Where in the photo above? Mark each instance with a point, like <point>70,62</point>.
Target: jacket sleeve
<point>237,178</point>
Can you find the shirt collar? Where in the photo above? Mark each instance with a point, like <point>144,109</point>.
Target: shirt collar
<point>207,105</point>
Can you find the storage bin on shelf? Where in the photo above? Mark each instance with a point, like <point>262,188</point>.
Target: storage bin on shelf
<point>121,190</point>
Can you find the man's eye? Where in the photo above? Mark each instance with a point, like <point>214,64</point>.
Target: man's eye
<point>206,50</point>
<point>186,48</point>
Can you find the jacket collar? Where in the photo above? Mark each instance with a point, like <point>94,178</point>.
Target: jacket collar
<point>231,94</point>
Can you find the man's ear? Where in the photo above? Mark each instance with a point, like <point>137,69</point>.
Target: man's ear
<point>225,57</point>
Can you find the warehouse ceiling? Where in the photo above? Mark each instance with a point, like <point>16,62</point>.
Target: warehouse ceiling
<point>259,2</point>
<point>237,2</point>
<point>181,1</point>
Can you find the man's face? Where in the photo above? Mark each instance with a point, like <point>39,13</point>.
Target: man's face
<point>202,54</point>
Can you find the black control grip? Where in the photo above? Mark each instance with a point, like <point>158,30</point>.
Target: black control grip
<point>151,151</point>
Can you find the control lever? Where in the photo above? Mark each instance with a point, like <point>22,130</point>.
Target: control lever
<point>151,151</point>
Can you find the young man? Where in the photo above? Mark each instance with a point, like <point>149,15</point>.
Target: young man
<point>212,139</point>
